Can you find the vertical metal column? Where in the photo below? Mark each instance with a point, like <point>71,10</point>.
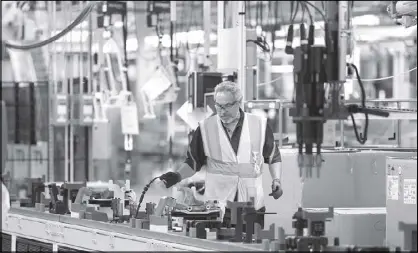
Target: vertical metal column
<point>242,45</point>
<point>52,48</point>
<point>32,124</point>
<point>90,90</point>
<point>72,63</point>
<point>207,28</point>
<point>221,17</point>
<point>65,90</point>
<point>173,18</point>
<point>17,105</point>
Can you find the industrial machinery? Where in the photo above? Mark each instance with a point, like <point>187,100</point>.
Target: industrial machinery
<point>172,225</point>
<point>319,74</point>
<point>403,12</point>
<point>401,203</point>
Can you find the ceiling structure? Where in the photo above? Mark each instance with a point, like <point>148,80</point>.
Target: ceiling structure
<point>190,13</point>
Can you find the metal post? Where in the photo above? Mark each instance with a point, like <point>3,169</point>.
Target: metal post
<point>242,45</point>
<point>280,125</point>
<point>221,16</point>
<point>73,67</point>
<point>342,140</point>
<point>51,88</point>
<point>173,18</point>
<point>399,128</point>
<point>90,90</point>
<point>65,91</point>
<point>207,31</point>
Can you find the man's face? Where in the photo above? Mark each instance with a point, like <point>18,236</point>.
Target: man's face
<point>227,107</point>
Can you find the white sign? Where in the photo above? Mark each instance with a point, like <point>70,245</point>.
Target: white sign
<point>392,188</point>
<point>27,161</point>
<point>330,133</point>
<point>39,160</point>
<point>129,120</point>
<point>156,85</point>
<point>88,113</point>
<point>410,191</point>
<point>191,116</point>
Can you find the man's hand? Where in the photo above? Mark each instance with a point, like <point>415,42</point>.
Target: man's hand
<point>276,189</point>
<point>170,178</point>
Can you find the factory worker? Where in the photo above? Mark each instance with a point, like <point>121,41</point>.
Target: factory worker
<point>5,203</point>
<point>231,146</point>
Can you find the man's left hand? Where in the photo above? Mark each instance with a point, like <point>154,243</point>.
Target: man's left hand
<point>276,189</point>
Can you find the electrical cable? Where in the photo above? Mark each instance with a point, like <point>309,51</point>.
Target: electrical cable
<point>360,138</point>
<point>389,77</point>
<point>309,12</point>
<point>269,82</point>
<point>317,9</point>
<point>144,191</point>
<point>80,18</point>
<point>296,12</point>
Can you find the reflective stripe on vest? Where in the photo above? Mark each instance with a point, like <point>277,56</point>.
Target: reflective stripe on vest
<point>221,156</point>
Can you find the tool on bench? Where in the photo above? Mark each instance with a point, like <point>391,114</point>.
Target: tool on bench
<point>56,206</point>
<point>198,228</point>
<point>314,221</point>
<point>34,189</point>
<point>69,192</point>
<point>83,211</point>
<point>142,219</point>
<point>144,191</point>
<point>244,212</point>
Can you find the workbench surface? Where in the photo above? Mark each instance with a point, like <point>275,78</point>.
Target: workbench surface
<point>101,236</point>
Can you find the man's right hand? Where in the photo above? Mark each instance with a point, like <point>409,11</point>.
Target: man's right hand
<point>170,178</point>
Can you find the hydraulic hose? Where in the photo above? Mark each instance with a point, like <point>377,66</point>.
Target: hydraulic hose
<point>80,18</point>
<point>144,191</point>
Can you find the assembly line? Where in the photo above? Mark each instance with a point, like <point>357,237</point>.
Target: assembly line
<point>243,182</point>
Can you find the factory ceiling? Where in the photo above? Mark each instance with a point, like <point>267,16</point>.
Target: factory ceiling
<point>190,13</point>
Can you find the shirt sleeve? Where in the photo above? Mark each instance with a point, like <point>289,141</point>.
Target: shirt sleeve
<point>196,157</point>
<point>271,152</point>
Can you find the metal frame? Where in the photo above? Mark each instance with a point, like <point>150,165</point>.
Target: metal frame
<point>282,104</point>
<point>93,235</point>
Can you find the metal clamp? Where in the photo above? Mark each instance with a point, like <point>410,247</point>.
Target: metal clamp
<point>351,163</point>
<point>18,223</point>
<point>112,241</point>
<point>47,229</point>
<point>374,166</point>
<point>94,236</point>
<point>61,229</point>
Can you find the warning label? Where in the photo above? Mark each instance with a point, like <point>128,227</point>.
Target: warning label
<point>392,187</point>
<point>410,191</point>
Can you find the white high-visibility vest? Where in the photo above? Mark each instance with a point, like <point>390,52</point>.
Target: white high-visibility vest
<point>228,173</point>
<point>5,204</point>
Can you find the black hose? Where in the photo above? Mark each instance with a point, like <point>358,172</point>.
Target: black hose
<point>361,138</point>
<point>83,15</point>
<point>144,191</point>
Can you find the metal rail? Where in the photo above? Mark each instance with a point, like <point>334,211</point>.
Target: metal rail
<point>398,113</point>
<point>101,236</point>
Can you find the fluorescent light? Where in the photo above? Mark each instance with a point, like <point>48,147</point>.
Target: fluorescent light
<point>74,36</point>
<point>192,37</point>
<point>282,69</point>
<point>366,20</point>
<point>118,24</point>
<point>131,44</point>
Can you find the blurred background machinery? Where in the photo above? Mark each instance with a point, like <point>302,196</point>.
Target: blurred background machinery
<point>84,66</point>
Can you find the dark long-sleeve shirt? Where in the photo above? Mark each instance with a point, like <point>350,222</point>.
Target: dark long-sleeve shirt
<point>199,158</point>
